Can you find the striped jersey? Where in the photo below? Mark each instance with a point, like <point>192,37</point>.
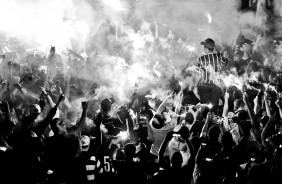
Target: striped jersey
<point>211,64</point>
<point>92,166</point>
<point>107,173</point>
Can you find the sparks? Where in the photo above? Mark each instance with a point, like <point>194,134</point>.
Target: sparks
<point>190,48</point>
<point>238,84</point>
<point>208,15</point>
<point>227,82</point>
<point>43,67</point>
<point>272,88</point>
<point>254,76</point>
<point>3,148</point>
<point>210,105</point>
<point>123,135</point>
<point>232,80</point>
<point>265,86</point>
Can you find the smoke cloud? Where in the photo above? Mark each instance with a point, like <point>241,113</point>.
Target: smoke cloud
<point>130,44</point>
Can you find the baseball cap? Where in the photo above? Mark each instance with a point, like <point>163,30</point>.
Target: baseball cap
<point>209,43</point>
<point>34,109</point>
<point>106,104</point>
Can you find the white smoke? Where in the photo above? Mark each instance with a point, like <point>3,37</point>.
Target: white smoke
<point>130,43</point>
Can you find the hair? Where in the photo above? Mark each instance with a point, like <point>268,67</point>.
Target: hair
<point>210,49</point>
<point>184,131</point>
<point>112,130</point>
<point>253,67</point>
<point>266,71</point>
<point>214,132</point>
<point>176,159</point>
<point>239,54</point>
<point>243,115</point>
<point>39,82</point>
<point>54,121</point>
<point>240,102</point>
<point>134,135</point>
<point>205,111</point>
<point>272,75</point>
<point>196,142</point>
<point>71,114</point>
<point>7,125</point>
<point>143,102</point>
<point>129,151</point>
<point>227,139</point>
<point>264,120</point>
<point>246,126</point>
<point>189,118</point>
<point>160,119</point>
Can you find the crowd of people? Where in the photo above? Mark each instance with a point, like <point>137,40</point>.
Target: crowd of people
<point>210,132</point>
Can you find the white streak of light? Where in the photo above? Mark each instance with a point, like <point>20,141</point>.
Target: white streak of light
<point>208,15</point>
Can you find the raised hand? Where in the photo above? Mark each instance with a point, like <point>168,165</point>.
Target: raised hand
<point>265,96</point>
<point>171,95</point>
<point>209,116</point>
<point>226,96</point>
<point>245,98</point>
<point>60,90</point>
<point>195,90</point>
<point>256,100</point>
<point>84,104</point>
<point>61,98</point>
<point>278,103</point>
<point>44,91</point>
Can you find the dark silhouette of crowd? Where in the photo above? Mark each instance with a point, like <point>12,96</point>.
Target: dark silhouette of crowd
<point>204,133</point>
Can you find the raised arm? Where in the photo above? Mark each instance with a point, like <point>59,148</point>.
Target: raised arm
<point>41,127</point>
<point>10,76</point>
<point>76,55</point>
<point>98,121</point>
<point>81,122</point>
<point>266,132</point>
<point>206,126</point>
<point>150,131</point>
<point>256,44</point>
<point>196,93</point>
<point>191,147</point>
<point>49,99</point>
<point>16,87</point>
<point>156,30</point>
<point>178,107</point>
<point>267,107</point>
<point>67,88</point>
<point>237,36</point>
<point>256,102</point>
<point>225,106</point>
<point>7,108</point>
<point>278,104</point>
<point>163,147</point>
<point>250,109</point>
<point>246,134</point>
<point>161,107</point>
